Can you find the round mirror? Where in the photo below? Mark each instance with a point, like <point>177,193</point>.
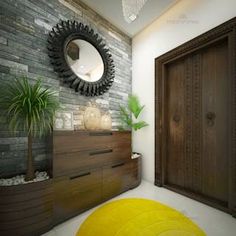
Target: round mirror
<point>84,60</point>
<point>81,58</point>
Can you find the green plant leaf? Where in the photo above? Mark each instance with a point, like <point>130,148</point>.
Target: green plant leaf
<point>134,105</point>
<point>139,125</point>
<point>125,116</point>
<point>28,107</point>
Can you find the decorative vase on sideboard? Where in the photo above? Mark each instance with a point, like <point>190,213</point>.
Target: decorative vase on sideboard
<point>92,117</point>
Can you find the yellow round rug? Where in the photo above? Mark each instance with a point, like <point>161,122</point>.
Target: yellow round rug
<point>138,217</point>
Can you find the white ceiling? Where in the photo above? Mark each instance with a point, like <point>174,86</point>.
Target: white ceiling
<point>112,11</point>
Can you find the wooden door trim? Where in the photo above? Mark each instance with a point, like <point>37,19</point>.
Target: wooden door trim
<point>231,42</point>
<point>225,30</point>
<point>199,198</point>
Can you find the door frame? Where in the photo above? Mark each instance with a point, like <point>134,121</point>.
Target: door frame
<point>225,30</point>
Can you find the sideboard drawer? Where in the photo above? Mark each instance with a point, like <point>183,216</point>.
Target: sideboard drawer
<point>66,142</point>
<point>65,164</point>
<point>76,193</point>
<point>116,179</point>
<point>85,190</point>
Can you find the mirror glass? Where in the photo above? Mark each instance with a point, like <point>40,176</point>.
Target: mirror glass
<point>85,60</point>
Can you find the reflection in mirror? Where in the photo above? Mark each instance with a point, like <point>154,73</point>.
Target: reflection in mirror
<point>84,59</point>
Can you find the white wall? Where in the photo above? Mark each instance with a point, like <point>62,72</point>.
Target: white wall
<point>184,21</point>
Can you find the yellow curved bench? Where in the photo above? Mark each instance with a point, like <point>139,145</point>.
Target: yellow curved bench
<point>138,217</point>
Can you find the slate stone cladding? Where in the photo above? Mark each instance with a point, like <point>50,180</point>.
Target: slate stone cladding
<point>24,27</point>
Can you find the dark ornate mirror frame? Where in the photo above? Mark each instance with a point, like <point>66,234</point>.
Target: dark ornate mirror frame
<point>60,36</point>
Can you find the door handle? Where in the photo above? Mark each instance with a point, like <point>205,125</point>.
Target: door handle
<point>176,118</point>
<point>210,116</point>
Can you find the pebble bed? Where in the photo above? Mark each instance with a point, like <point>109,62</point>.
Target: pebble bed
<point>135,155</point>
<point>20,179</point>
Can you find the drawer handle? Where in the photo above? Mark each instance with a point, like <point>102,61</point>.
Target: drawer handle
<point>81,175</point>
<point>100,152</point>
<point>118,165</point>
<point>100,133</point>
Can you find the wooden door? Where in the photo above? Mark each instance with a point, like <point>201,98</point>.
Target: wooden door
<point>197,128</point>
<point>195,102</point>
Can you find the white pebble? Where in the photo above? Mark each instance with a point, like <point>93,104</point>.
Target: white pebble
<point>19,179</point>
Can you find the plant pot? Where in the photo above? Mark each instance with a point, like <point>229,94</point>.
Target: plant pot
<point>26,209</point>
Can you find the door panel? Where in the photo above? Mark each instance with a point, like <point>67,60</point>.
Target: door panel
<point>175,118</point>
<point>214,119</point>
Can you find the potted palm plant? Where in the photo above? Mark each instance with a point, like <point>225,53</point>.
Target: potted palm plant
<point>129,116</point>
<point>30,108</point>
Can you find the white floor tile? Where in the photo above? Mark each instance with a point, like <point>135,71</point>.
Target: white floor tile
<point>212,221</point>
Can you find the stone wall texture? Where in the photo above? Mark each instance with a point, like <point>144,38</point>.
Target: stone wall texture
<point>24,28</point>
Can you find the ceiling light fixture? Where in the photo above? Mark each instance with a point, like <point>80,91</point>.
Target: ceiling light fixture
<point>131,9</point>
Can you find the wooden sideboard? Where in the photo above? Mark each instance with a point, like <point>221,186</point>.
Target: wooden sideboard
<point>89,168</point>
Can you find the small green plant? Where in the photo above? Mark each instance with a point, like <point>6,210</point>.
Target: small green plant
<point>29,108</point>
<point>133,109</point>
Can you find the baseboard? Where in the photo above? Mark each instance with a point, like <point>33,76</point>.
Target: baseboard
<point>157,183</point>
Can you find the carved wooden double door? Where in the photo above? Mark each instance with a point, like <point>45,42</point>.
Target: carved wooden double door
<point>196,122</point>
